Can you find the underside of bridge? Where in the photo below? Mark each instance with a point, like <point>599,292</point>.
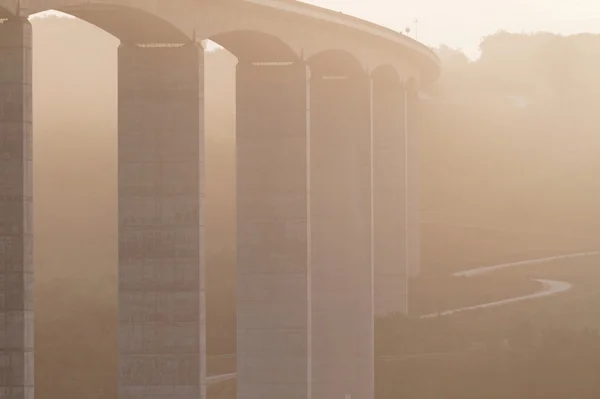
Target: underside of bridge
<point>327,212</point>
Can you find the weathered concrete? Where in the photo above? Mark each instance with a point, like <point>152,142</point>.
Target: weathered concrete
<point>273,295</point>
<point>340,227</point>
<point>161,231</point>
<point>16,208</point>
<point>389,196</point>
<point>414,176</point>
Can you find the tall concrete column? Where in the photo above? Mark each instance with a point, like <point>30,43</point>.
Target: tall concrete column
<point>16,212</point>
<point>389,196</point>
<point>340,228</point>
<point>414,178</point>
<point>161,231</point>
<point>273,295</point>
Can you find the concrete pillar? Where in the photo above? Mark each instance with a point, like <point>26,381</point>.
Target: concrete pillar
<point>273,296</point>
<point>161,231</point>
<point>389,197</point>
<point>340,228</point>
<point>414,177</point>
<point>16,212</point>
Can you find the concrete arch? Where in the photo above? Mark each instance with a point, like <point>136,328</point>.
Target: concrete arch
<point>310,30</point>
<point>131,21</point>
<point>255,46</point>
<point>291,129</point>
<point>335,63</point>
<point>307,30</point>
<point>247,30</point>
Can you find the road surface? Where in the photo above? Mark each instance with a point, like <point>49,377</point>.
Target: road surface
<point>215,379</point>
<point>489,269</point>
<point>550,287</point>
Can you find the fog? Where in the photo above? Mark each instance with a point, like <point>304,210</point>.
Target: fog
<point>75,172</point>
<point>509,167</point>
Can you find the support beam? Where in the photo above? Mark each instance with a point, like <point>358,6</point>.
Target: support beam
<point>414,180</point>
<point>273,295</point>
<point>389,195</point>
<point>161,231</point>
<point>341,276</point>
<point>16,212</point>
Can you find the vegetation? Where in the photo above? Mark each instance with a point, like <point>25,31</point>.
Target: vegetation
<point>522,361</point>
<point>510,139</point>
<point>537,349</point>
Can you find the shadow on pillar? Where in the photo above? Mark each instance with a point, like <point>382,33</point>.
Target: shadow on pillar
<point>272,221</point>
<point>389,193</point>
<point>414,177</point>
<point>161,228</point>
<point>16,210</point>
<point>340,228</point>
<point>161,232</point>
<point>273,294</point>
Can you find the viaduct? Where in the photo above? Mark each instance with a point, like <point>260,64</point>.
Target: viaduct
<point>327,192</point>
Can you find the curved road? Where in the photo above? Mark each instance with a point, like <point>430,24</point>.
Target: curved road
<point>489,269</point>
<point>215,379</point>
<point>549,287</point>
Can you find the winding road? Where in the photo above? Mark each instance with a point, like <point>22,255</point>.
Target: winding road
<point>549,287</point>
<point>215,379</point>
<point>489,269</point>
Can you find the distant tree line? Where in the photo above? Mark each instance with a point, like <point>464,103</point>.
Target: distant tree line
<point>513,134</point>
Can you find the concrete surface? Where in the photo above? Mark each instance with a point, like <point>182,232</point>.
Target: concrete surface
<point>413,183</point>
<point>305,245</point>
<point>273,296</point>
<point>389,197</point>
<point>161,230</point>
<point>341,265</point>
<point>16,213</point>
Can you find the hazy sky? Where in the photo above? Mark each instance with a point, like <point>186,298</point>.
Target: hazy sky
<point>462,23</point>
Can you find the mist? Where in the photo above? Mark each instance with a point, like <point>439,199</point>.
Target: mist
<point>75,180</point>
<point>509,172</point>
